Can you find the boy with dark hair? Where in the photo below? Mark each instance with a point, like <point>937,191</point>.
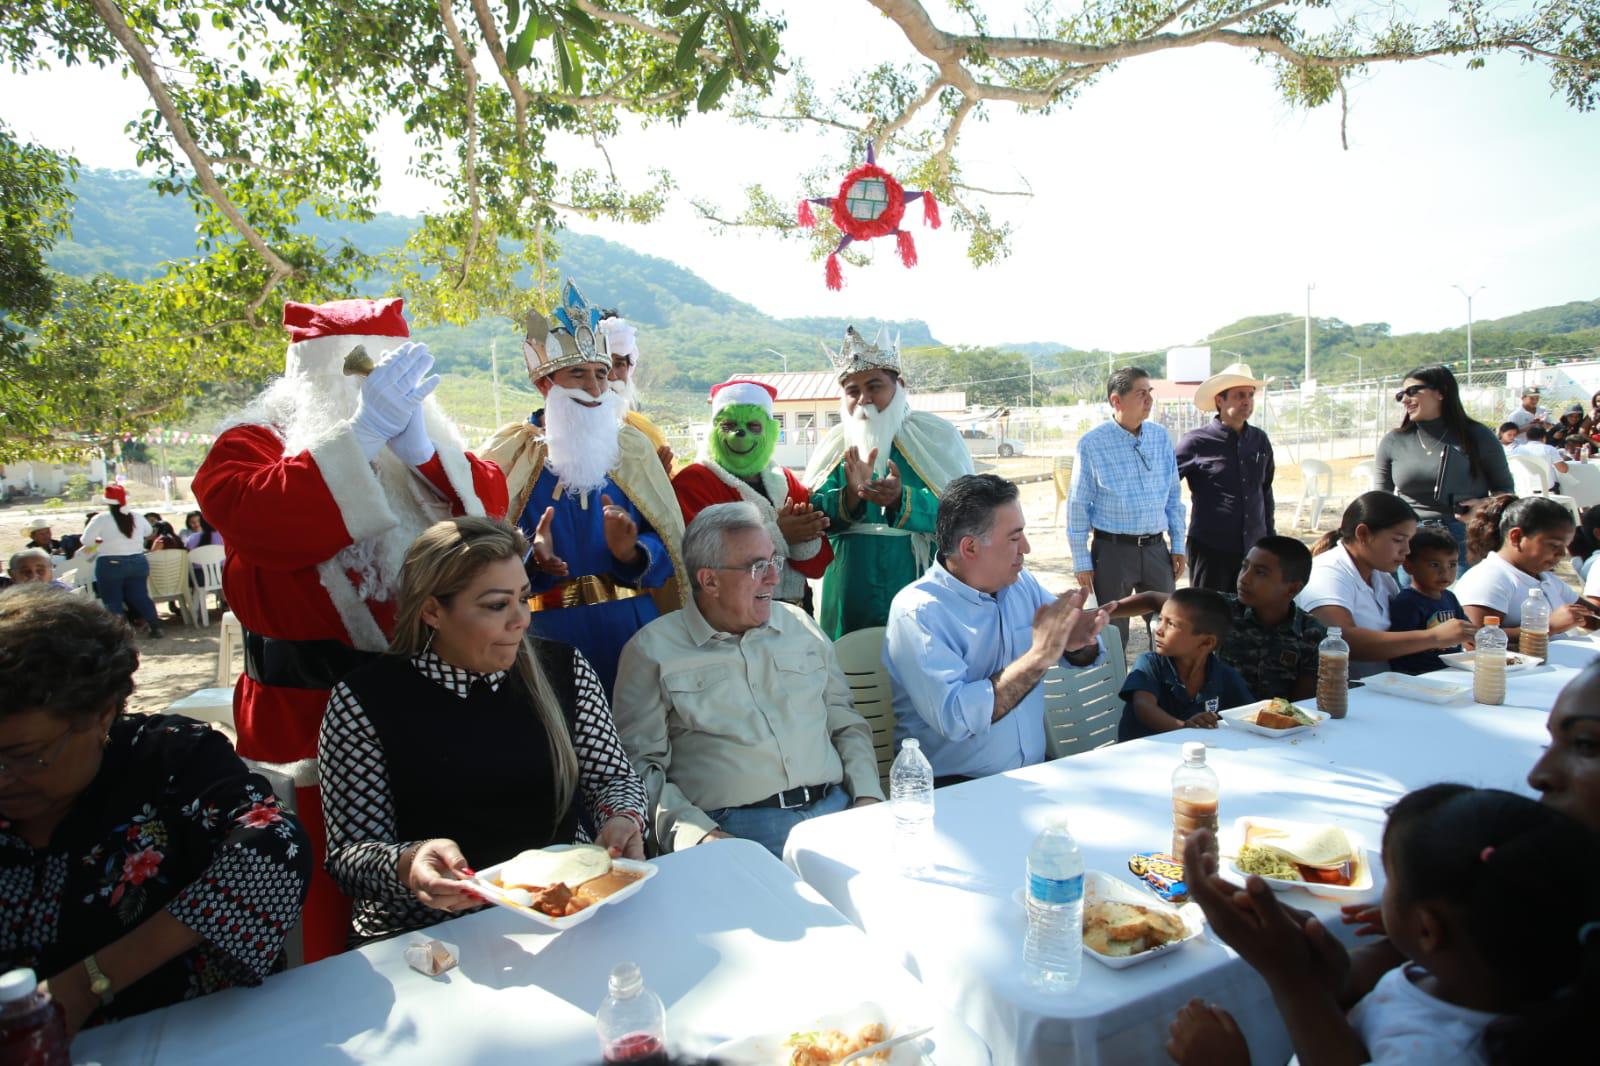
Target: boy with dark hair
<point>1428,602</point>
<point>1273,643</point>
<point>1181,683</point>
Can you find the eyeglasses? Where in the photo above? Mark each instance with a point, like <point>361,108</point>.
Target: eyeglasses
<point>1136,451</point>
<point>36,764</point>
<point>1411,390</point>
<point>759,568</point>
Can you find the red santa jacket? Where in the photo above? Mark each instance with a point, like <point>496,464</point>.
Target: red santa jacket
<point>702,484</point>
<point>283,520</point>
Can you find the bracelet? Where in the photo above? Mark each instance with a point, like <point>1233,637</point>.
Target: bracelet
<point>99,983</point>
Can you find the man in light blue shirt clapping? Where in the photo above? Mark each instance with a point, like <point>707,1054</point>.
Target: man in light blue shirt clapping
<point>970,640</point>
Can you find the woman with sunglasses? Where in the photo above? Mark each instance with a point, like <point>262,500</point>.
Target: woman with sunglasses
<point>1441,462</point>
<point>141,861</point>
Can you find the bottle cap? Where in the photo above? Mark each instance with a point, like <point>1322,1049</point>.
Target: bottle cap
<point>1194,751</point>
<point>626,980</point>
<point>1334,631</point>
<point>17,985</point>
<point>910,742</point>
<point>1491,620</point>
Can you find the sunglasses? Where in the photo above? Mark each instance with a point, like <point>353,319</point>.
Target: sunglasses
<point>1410,391</point>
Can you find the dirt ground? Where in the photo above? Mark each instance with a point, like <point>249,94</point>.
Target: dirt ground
<point>186,658</point>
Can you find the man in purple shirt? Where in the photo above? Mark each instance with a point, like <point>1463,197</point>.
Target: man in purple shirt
<point>1228,464</point>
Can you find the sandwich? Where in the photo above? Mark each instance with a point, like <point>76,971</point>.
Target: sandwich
<point>1321,853</point>
<point>1281,714</point>
<point>1122,929</point>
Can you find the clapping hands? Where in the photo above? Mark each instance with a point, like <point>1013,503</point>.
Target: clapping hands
<point>861,485</point>
<point>800,522</point>
<point>1063,625</point>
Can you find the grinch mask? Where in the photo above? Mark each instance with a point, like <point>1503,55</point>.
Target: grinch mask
<point>743,438</point>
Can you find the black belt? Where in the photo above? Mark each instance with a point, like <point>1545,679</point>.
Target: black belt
<point>1138,540</point>
<point>308,664</point>
<point>804,796</point>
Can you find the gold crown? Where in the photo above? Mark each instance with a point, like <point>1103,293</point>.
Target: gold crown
<point>567,338</point>
<point>855,355</point>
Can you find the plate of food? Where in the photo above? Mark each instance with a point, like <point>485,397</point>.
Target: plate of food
<point>1323,859</point>
<point>1274,718</point>
<point>825,1040</point>
<point>1429,688</point>
<point>563,885</point>
<point>1124,925</point>
<point>1515,660</point>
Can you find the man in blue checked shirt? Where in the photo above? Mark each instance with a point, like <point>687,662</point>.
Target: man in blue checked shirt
<point>1125,491</point>
<point>969,641</point>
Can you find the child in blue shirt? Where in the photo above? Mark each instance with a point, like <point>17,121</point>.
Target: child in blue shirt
<point>1182,683</point>
<point>1429,601</point>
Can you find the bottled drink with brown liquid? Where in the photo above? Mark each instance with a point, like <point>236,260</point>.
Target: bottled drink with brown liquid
<point>1194,796</point>
<point>1535,638</point>
<point>1489,663</point>
<point>1333,674</point>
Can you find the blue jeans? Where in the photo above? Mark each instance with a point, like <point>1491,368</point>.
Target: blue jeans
<point>125,579</point>
<point>769,826</point>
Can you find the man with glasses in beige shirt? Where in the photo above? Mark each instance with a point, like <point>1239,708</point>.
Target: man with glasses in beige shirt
<point>734,709</point>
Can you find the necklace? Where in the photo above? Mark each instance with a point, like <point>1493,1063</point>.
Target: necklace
<point>1423,438</point>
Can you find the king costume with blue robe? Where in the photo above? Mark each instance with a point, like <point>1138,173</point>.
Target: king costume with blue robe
<point>601,603</point>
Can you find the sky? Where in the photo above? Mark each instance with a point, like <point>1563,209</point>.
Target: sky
<point>1177,195</point>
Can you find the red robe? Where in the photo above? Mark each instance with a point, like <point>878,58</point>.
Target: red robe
<point>282,517</point>
<point>699,486</point>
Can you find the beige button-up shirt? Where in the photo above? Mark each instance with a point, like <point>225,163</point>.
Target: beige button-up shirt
<point>714,720</point>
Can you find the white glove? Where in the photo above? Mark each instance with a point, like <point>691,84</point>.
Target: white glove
<point>391,394</point>
<point>412,445</point>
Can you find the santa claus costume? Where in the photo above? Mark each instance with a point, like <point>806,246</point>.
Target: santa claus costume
<point>318,489</point>
<point>729,472</point>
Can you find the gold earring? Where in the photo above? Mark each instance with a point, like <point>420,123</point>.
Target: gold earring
<point>427,644</point>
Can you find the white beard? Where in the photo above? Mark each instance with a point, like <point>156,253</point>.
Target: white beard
<point>306,411</point>
<point>629,393</point>
<point>869,428</point>
<point>582,441</point>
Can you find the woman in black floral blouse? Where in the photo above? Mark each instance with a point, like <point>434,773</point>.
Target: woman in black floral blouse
<point>469,741</point>
<point>141,862</point>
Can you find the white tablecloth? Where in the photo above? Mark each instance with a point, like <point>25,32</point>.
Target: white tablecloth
<point>1575,651</point>
<point>724,934</point>
<point>961,930</point>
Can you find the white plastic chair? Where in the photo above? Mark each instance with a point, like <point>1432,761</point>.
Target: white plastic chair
<point>169,580</point>
<point>861,658</point>
<point>1364,476</point>
<point>1316,479</point>
<point>1582,483</point>
<point>1061,477</point>
<point>230,640</point>
<point>79,573</point>
<point>205,578</point>
<point>1533,477</point>
<point>1082,708</point>
<point>213,705</point>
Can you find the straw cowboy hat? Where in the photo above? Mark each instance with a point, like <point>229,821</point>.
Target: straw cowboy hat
<point>1233,376</point>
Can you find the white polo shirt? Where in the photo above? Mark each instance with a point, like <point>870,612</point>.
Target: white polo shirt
<point>1335,582</point>
<point>1497,586</point>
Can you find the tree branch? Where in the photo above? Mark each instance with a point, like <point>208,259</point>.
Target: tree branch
<point>519,94</point>
<point>113,19</point>
<point>245,161</point>
<point>903,119</point>
<point>633,22</point>
<point>470,75</point>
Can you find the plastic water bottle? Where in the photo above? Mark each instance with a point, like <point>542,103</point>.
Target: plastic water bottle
<point>32,1031</point>
<point>1535,639</point>
<point>1052,955</point>
<point>632,1023</point>
<point>1333,674</point>
<point>1489,663</point>
<point>911,797</point>
<point>1195,789</point>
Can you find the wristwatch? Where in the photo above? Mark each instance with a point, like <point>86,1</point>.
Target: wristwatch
<point>99,983</point>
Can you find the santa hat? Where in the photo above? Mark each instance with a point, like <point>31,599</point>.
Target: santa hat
<point>116,494</point>
<point>739,391</point>
<point>321,335</point>
<point>621,338</point>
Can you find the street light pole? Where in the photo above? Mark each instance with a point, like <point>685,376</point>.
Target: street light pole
<point>1360,371</point>
<point>1309,288</point>
<point>1469,296</point>
<point>780,355</point>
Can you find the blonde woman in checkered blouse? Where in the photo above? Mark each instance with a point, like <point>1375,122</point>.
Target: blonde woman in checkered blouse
<point>469,742</point>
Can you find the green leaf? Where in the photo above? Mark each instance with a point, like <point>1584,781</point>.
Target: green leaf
<point>542,24</point>
<point>521,50</point>
<point>578,20</point>
<point>571,66</point>
<point>689,43</point>
<point>513,16</point>
<point>712,91</point>
<point>590,44</point>
<point>673,8</point>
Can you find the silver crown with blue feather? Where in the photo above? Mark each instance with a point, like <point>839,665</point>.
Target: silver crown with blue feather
<point>569,337</point>
<point>856,356</point>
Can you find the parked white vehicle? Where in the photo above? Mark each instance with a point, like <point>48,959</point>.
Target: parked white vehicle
<point>980,442</point>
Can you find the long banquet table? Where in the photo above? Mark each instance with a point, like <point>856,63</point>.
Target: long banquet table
<point>727,936</point>
<point>960,926</point>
